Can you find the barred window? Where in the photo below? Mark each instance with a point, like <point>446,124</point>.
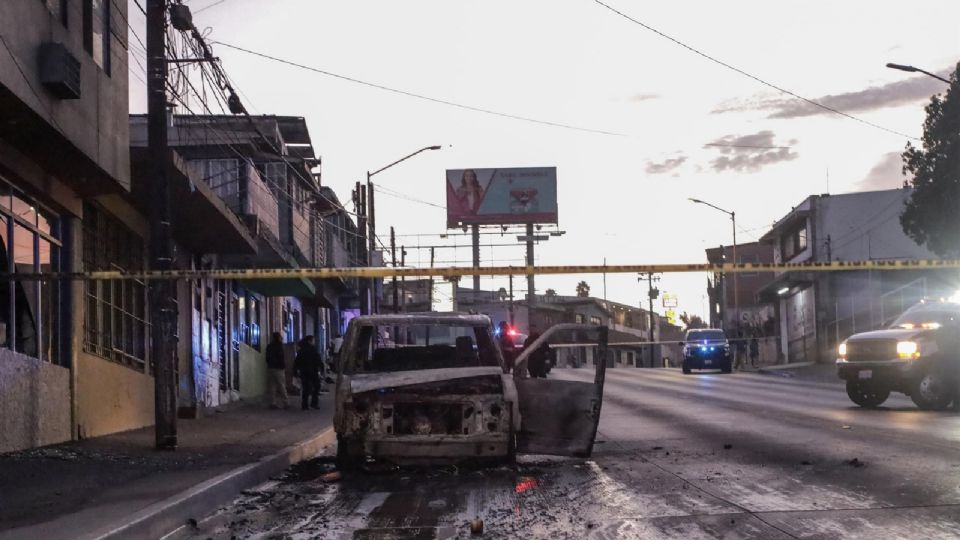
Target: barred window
<point>115,319</point>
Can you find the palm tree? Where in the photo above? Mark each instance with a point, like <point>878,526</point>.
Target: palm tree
<point>583,290</point>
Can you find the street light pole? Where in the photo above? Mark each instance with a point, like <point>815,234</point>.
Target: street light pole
<point>736,290</point>
<point>911,69</point>
<point>371,224</point>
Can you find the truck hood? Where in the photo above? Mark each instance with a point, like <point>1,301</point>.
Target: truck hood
<point>890,333</point>
<point>365,382</point>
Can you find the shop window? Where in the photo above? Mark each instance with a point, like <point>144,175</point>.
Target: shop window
<point>116,324</point>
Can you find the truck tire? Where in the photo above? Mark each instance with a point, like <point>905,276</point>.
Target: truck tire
<point>932,391</point>
<point>867,395</point>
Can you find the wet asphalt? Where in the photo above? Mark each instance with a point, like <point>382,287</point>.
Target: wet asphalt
<point>697,456</point>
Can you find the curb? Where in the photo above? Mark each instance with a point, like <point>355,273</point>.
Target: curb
<point>167,516</point>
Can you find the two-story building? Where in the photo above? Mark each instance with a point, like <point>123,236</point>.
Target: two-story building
<point>65,163</point>
<point>817,310</point>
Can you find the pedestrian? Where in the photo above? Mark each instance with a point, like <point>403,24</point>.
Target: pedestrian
<point>308,365</point>
<point>537,360</point>
<point>740,348</point>
<point>276,373</point>
<point>754,351</point>
<point>335,345</point>
<point>507,348</point>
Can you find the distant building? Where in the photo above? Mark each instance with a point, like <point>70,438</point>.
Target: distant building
<point>748,315</point>
<point>817,310</point>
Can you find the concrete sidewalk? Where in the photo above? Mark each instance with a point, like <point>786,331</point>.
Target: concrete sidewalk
<point>808,371</point>
<point>118,486</point>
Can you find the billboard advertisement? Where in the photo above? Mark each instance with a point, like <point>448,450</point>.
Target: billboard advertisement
<point>501,196</point>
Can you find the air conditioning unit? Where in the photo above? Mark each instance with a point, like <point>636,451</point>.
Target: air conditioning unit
<point>59,71</point>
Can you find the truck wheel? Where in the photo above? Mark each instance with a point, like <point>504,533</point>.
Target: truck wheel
<point>867,395</point>
<point>932,392</point>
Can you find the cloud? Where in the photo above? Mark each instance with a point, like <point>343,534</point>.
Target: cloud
<point>892,94</point>
<point>749,153</point>
<point>644,97</point>
<point>665,166</point>
<point>886,174</point>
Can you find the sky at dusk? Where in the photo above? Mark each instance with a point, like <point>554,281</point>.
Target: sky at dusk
<point>648,110</point>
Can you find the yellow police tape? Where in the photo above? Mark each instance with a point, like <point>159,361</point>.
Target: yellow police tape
<point>463,271</point>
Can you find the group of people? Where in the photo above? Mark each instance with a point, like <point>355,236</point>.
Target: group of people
<point>308,366</point>
<point>537,361</point>
<point>742,347</point>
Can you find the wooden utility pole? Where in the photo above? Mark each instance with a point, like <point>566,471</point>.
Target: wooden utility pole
<point>393,257</point>
<point>163,315</point>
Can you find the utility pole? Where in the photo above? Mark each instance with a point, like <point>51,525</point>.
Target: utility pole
<point>371,221</point>
<point>476,257</point>
<point>403,279</point>
<point>531,291</point>
<point>393,257</point>
<point>511,300</point>
<point>362,252</point>
<point>162,307</point>
<point>651,295</point>
<point>736,275</point>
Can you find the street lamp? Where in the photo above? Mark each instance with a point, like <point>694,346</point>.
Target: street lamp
<point>911,69</point>
<point>736,290</point>
<point>371,225</point>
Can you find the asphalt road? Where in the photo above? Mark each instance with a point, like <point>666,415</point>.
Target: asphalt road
<point>697,456</point>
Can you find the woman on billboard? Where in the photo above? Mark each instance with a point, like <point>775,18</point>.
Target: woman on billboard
<point>469,194</point>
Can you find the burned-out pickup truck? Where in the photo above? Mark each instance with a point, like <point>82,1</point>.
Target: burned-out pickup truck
<point>433,387</point>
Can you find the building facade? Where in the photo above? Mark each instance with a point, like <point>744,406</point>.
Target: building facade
<point>817,310</point>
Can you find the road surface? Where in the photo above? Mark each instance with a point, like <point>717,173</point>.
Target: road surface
<point>696,456</point>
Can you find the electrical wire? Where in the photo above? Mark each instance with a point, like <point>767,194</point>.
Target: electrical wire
<point>421,96</point>
<point>749,75</point>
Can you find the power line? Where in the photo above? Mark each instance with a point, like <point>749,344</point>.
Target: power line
<point>217,3</point>
<point>748,75</point>
<point>422,96</point>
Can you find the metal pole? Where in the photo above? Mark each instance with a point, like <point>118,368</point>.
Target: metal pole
<point>531,291</point>
<point>510,305</point>
<point>476,257</point>
<point>403,279</point>
<point>162,307</point>
<point>393,257</point>
<point>736,281</point>
<point>371,222</point>
<point>650,316</point>
<point>362,251</point>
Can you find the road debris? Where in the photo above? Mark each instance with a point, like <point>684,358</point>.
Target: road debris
<point>855,462</point>
<point>727,446</point>
<point>331,477</point>
<point>476,526</point>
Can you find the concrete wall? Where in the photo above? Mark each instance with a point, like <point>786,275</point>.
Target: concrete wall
<point>866,226</point>
<point>34,402</point>
<point>97,122</point>
<point>111,397</point>
<point>253,373</point>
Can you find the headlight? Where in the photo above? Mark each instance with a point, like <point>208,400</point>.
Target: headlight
<point>842,350</point>
<point>908,349</point>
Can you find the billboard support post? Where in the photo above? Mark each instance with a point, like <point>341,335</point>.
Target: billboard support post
<point>531,290</point>
<point>476,259</point>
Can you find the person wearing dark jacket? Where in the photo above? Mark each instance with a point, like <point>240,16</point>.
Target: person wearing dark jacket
<point>308,365</point>
<point>537,361</point>
<point>276,373</point>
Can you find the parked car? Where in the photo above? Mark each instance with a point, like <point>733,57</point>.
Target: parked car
<point>442,393</point>
<point>917,355</point>
<point>706,348</point>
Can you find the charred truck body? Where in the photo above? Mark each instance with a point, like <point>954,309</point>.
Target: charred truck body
<point>430,387</point>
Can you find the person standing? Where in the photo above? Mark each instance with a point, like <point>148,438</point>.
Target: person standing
<point>507,348</point>
<point>276,373</point>
<point>740,352</point>
<point>537,361</point>
<point>754,351</point>
<point>308,366</point>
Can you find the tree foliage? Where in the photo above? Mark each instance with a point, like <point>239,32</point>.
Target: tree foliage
<point>932,215</point>
<point>551,292</point>
<point>583,290</point>
<point>691,322</point>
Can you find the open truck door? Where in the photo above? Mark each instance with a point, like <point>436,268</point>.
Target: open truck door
<point>559,417</point>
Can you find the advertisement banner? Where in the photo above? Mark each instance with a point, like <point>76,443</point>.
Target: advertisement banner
<point>501,196</point>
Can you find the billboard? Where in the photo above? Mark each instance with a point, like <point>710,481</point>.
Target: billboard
<point>501,196</point>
